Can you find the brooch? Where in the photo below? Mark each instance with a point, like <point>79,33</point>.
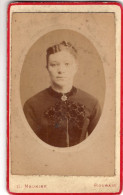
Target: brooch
<point>63,97</point>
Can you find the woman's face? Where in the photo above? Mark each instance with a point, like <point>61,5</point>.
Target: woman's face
<point>62,67</point>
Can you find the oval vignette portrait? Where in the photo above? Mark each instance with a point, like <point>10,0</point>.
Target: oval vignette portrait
<point>62,88</point>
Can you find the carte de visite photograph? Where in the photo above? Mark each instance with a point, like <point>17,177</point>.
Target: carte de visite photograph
<point>64,64</point>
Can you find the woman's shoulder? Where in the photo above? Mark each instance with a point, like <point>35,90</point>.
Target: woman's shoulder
<point>37,98</point>
<point>87,99</point>
<point>85,95</point>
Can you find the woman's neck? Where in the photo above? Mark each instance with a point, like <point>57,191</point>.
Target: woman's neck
<point>61,89</point>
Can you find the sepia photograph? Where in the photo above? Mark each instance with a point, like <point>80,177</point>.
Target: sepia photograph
<point>63,115</point>
<point>64,97</point>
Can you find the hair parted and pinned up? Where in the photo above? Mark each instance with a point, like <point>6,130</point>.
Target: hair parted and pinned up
<point>64,45</point>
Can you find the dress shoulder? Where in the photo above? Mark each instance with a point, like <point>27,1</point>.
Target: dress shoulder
<point>37,98</point>
<point>85,98</point>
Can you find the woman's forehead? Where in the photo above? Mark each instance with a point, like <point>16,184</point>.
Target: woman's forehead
<point>61,55</point>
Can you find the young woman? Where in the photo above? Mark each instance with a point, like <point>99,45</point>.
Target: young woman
<point>62,115</point>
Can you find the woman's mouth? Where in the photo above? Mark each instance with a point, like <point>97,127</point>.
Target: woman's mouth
<point>60,77</point>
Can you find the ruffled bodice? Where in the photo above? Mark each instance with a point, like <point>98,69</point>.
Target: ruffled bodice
<point>62,120</point>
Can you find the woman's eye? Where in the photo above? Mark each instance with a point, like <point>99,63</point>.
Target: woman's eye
<point>53,64</point>
<point>66,63</point>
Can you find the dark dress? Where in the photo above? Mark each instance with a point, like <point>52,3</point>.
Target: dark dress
<point>62,121</point>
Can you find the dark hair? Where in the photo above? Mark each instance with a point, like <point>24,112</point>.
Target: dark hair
<point>59,47</point>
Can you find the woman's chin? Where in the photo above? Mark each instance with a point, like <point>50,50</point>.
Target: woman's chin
<point>60,84</point>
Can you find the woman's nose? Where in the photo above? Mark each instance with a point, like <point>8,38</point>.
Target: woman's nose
<point>61,69</point>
